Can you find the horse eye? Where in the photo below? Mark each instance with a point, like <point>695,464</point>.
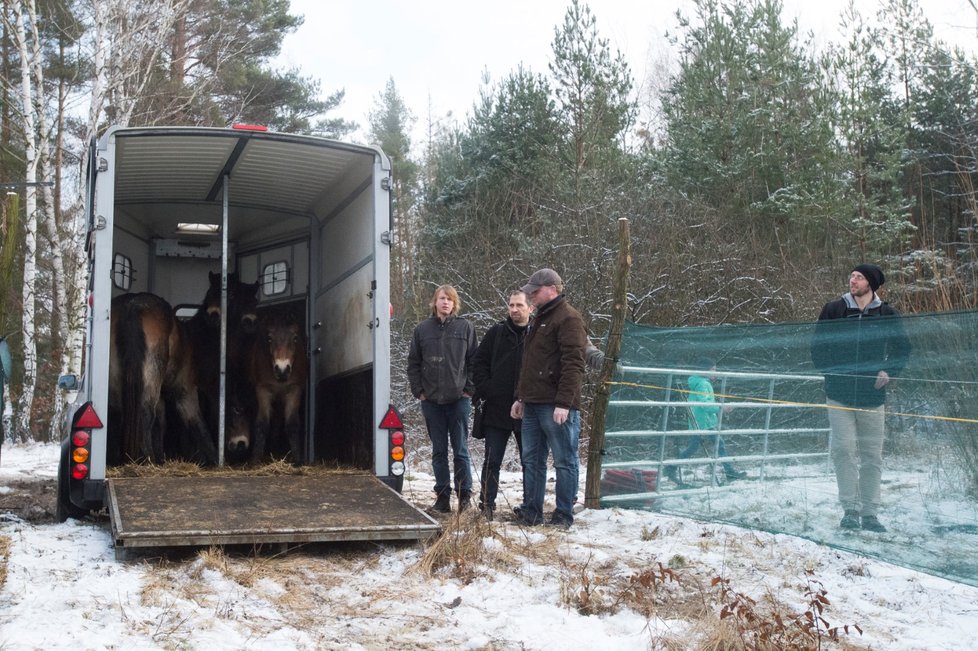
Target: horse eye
<point>269,340</point>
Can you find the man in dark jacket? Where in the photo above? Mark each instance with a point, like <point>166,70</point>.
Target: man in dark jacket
<point>548,398</point>
<point>859,344</point>
<point>440,373</point>
<point>495,370</point>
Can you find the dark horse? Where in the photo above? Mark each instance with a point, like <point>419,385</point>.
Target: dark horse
<point>277,368</point>
<point>205,331</point>
<point>150,365</point>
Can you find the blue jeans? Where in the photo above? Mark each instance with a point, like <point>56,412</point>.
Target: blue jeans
<point>496,440</point>
<point>709,443</point>
<point>542,435</point>
<point>449,423</point>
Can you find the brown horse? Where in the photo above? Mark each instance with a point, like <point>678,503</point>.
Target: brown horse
<point>151,364</point>
<point>204,329</point>
<point>277,368</point>
<point>239,415</point>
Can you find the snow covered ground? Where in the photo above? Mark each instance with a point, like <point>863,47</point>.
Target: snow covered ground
<point>607,583</point>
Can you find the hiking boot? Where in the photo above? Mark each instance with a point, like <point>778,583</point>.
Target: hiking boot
<point>850,520</point>
<point>524,519</point>
<point>872,523</point>
<point>735,474</point>
<point>443,504</point>
<point>464,501</point>
<point>561,521</point>
<point>487,511</point>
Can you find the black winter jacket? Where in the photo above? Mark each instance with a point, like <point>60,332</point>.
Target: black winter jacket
<point>440,359</point>
<point>495,371</point>
<point>851,346</point>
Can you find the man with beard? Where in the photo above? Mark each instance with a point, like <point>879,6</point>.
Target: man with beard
<point>495,370</point>
<point>859,345</point>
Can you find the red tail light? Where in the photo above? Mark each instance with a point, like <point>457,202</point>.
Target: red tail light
<point>81,440</point>
<point>88,418</point>
<point>391,420</point>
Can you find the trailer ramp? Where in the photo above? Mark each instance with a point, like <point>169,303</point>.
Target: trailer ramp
<point>242,509</point>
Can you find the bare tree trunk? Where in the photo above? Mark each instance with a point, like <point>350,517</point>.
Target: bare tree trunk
<point>22,427</point>
<point>592,483</point>
<point>99,77</point>
<point>48,218</point>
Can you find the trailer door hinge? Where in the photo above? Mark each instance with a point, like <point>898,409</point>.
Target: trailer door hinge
<point>385,238</point>
<point>99,222</point>
<point>385,183</point>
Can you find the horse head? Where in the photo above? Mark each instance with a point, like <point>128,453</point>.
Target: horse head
<point>243,299</point>
<point>285,343</point>
<point>211,306</point>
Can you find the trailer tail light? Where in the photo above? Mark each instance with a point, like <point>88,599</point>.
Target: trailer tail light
<point>81,440</point>
<point>395,432</point>
<point>79,455</point>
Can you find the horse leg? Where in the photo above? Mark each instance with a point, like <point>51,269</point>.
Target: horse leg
<point>149,435</point>
<point>188,410</point>
<point>291,416</point>
<point>263,421</point>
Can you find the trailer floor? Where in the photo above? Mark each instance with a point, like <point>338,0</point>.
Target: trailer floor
<point>180,511</point>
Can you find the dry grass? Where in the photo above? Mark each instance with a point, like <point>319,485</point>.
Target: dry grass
<point>4,558</point>
<point>187,469</point>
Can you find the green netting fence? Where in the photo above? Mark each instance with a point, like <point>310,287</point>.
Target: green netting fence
<point>771,417</point>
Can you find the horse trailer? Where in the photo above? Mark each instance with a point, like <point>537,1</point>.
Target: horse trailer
<point>307,219</point>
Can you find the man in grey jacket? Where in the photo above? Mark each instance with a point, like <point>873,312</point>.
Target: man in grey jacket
<point>440,373</point>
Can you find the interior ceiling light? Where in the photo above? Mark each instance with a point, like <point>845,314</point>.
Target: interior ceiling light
<point>188,227</point>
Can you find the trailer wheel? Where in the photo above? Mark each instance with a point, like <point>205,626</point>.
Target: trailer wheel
<point>64,509</point>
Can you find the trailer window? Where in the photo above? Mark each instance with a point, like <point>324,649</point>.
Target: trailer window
<point>275,278</point>
<point>122,272</point>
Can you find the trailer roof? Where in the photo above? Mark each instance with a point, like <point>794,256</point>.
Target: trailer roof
<point>277,182</point>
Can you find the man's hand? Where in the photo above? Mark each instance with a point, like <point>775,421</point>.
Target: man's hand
<point>516,411</point>
<point>560,415</point>
<point>882,379</point>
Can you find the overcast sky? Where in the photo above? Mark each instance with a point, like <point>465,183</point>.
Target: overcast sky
<point>437,50</point>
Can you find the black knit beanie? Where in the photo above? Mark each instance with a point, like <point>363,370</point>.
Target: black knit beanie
<point>872,273</point>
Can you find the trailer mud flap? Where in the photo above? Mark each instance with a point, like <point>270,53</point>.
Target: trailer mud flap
<point>240,509</point>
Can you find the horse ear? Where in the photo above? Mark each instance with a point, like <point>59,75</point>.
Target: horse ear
<point>215,278</point>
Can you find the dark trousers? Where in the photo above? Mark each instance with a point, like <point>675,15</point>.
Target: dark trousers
<point>449,424</point>
<point>496,440</point>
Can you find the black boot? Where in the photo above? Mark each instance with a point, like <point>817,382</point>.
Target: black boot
<point>443,504</point>
<point>464,500</point>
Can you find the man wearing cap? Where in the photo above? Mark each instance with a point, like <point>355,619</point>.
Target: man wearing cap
<point>548,398</point>
<point>859,352</point>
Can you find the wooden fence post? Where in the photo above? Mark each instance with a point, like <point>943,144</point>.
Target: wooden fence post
<point>599,408</point>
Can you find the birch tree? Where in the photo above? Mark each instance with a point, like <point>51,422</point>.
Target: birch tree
<point>24,13</point>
